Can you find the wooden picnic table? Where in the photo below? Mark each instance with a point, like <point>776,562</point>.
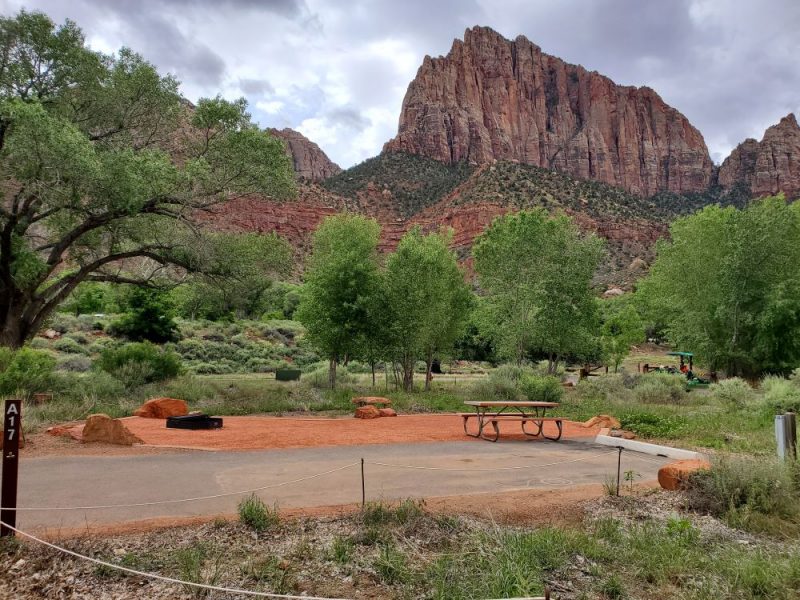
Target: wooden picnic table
<point>494,412</point>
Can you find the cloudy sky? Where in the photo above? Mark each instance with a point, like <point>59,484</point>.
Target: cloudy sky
<point>337,71</point>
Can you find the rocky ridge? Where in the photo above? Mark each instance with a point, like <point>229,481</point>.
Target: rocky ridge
<point>769,166</point>
<point>310,162</point>
<point>492,98</point>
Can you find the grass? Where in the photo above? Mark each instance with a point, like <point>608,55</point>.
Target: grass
<point>257,515</point>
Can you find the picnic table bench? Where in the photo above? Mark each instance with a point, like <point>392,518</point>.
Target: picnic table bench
<point>492,413</point>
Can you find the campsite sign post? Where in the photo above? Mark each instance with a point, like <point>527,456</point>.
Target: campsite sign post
<point>12,429</point>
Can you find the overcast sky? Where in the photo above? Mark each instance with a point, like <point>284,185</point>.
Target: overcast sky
<point>338,71</point>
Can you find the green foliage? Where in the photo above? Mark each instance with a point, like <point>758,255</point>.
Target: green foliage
<point>257,515</point>
<point>88,142</point>
<point>651,425</point>
<point>148,316</point>
<point>735,392</point>
<point>745,490</point>
<point>342,282</point>
<point>25,371</point>
<point>621,328</point>
<point>428,300</point>
<point>414,182</point>
<point>536,273</point>
<point>781,394</point>
<point>140,363</point>
<point>661,388</point>
<point>727,284</point>
<point>541,389</point>
<point>90,298</point>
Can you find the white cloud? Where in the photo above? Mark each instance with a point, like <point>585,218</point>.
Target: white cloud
<point>338,71</point>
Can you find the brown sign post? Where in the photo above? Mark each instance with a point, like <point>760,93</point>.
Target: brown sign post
<point>12,429</point>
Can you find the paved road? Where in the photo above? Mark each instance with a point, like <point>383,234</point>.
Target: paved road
<point>92,480</point>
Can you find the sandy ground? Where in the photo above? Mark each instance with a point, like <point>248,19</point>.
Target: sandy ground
<point>260,433</point>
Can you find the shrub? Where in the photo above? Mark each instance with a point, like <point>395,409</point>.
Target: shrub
<point>496,388</point>
<point>257,515</point>
<point>79,336</point>
<point>661,388</point>
<point>541,389</point>
<point>780,395</point>
<point>68,346</point>
<point>25,370</point>
<point>604,388</point>
<point>743,490</point>
<point>77,364</point>
<point>140,362</point>
<point>734,392</point>
<point>149,316</point>
<point>512,373</point>
<point>318,378</point>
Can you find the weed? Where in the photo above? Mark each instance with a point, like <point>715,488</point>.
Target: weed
<point>342,549</point>
<point>612,588</point>
<point>257,515</point>
<point>391,565</point>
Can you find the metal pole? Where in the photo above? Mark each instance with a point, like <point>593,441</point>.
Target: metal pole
<point>619,466</point>
<point>12,429</point>
<point>363,486</point>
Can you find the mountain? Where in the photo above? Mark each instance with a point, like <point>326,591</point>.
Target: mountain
<point>310,162</point>
<point>492,98</point>
<point>769,166</point>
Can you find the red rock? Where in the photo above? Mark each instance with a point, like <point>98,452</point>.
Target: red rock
<point>769,166</point>
<point>603,421</point>
<point>362,400</point>
<point>673,476</point>
<point>387,412</point>
<point>161,408</point>
<point>102,428</point>
<point>310,162</point>
<point>367,412</point>
<point>492,98</point>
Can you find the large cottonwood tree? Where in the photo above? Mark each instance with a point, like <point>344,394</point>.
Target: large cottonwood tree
<point>102,167</point>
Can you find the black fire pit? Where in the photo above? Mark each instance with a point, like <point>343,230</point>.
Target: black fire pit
<point>194,422</point>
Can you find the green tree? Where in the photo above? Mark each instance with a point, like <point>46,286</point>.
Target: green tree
<point>428,300</point>
<point>727,285</point>
<point>149,316</point>
<point>536,273</point>
<point>621,328</point>
<point>341,280</point>
<point>248,263</point>
<point>104,166</point>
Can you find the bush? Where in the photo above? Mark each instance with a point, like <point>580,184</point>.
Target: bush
<point>734,392</point>
<point>512,373</point>
<point>780,395</point>
<point>68,346</point>
<point>25,370</point>
<point>661,388</point>
<point>541,389</point>
<point>603,388</point>
<point>140,362</point>
<point>745,490</point>
<point>257,515</point>
<point>77,364</point>
<point>496,388</point>
<point>318,378</point>
<point>149,316</point>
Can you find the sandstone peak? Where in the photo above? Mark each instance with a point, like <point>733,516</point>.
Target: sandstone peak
<point>767,167</point>
<point>491,98</point>
<point>310,162</point>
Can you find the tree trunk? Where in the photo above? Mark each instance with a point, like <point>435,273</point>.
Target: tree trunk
<point>372,364</point>
<point>428,374</point>
<point>332,373</point>
<point>408,374</point>
<point>15,328</point>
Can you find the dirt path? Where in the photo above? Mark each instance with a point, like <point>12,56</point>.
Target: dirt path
<point>261,432</point>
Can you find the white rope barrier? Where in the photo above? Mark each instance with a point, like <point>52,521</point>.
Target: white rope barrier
<point>180,500</point>
<point>495,469</point>
<point>213,588</point>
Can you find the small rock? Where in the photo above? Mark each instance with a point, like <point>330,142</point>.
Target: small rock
<point>162,408</point>
<point>387,412</point>
<point>367,412</point>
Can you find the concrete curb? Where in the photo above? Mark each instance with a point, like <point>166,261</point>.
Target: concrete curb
<point>647,448</point>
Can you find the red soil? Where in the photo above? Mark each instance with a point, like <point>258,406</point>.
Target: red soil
<point>257,432</point>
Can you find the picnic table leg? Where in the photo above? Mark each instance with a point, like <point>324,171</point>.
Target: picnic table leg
<point>466,419</point>
<point>496,432</point>
<point>560,426</point>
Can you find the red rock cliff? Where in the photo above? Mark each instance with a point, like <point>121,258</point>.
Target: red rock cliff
<point>769,166</point>
<point>310,162</point>
<point>491,98</point>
